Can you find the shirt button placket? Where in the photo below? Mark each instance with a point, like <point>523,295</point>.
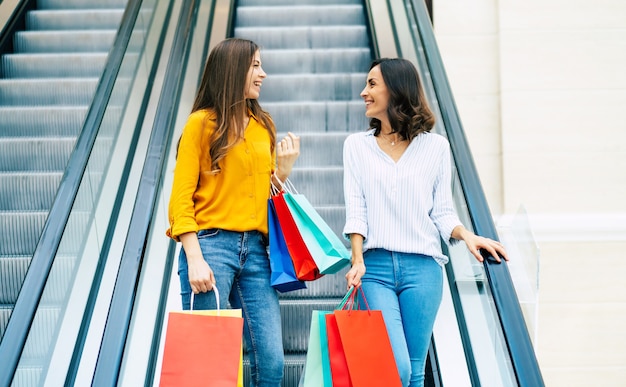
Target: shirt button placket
<point>394,180</point>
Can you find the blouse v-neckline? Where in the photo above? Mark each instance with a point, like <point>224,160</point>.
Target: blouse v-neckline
<point>400,157</point>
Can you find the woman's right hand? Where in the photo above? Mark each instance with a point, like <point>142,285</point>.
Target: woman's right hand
<point>201,276</point>
<point>353,276</point>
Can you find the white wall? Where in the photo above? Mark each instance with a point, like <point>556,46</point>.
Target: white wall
<point>541,89</point>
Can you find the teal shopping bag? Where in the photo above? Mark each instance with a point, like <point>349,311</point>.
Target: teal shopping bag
<point>327,249</point>
<point>328,377</point>
<point>317,371</point>
<point>317,364</point>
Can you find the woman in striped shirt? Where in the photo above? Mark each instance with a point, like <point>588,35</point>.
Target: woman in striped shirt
<point>397,185</point>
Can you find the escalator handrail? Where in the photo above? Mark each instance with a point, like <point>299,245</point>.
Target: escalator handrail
<point>109,362</point>
<point>518,341</point>
<point>34,282</point>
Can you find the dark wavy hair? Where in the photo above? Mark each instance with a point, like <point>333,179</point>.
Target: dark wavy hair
<point>222,91</point>
<point>408,110</point>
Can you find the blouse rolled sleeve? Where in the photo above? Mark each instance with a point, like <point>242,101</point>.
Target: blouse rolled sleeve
<point>182,215</point>
<point>356,210</point>
<point>443,213</point>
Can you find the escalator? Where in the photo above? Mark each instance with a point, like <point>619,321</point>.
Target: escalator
<point>68,69</point>
<point>47,83</point>
<point>108,326</point>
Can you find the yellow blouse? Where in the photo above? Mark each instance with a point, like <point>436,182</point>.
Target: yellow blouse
<point>234,199</point>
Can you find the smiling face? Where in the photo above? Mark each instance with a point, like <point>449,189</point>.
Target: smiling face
<point>254,78</point>
<point>376,95</point>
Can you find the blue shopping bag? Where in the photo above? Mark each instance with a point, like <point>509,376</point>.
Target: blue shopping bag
<point>283,274</point>
<point>327,249</point>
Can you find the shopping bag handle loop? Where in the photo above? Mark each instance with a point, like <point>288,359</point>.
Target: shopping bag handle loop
<point>348,302</point>
<point>273,189</point>
<point>345,299</point>
<point>287,186</point>
<point>217,299</point>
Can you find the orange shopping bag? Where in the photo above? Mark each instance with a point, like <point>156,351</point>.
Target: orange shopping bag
<point>203,348</point>
<point>366,346</point>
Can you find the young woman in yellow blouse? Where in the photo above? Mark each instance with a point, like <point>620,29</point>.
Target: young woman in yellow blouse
<point>218,206</point>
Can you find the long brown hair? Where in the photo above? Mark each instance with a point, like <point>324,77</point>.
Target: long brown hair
<point>222,91</point>
<point>408,110</point>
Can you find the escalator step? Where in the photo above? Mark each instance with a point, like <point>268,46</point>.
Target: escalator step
<point>322,116</point>
<point>76,19</point>
<point>36,191</point>
<point>296,321</point>
<point>244,3</point>
<point>318,61</point>
<point>82,4</point>
<point>318,15</point>
<point>30,121</point>
<point>48,91</point>
<point>319,87</point>
<point>20,230</point>
<point>23,154</point>
<point>64,41</point>
<point>53,65</point>
<point>13,270</point>
<point>316,37</point>
<point>320,150</point>
<point>12,273</point>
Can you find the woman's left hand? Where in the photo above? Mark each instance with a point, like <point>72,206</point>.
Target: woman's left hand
<point>287,152</point>
<point>475,243</point>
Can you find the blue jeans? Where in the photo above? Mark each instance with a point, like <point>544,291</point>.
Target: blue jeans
<point>407,288</point>
<point>241,267</point>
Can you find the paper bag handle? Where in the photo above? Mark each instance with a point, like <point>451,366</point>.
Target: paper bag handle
<point>217,299</point>
<point>351,302</point>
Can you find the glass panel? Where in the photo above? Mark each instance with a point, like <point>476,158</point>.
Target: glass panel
<point>515,232</point>
<point>52,338</point>
<point>486,341</point>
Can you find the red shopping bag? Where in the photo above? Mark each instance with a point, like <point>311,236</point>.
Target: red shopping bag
<point>366,346</point>
<point>338,364</point>
<point>303,262</point>
<point>283,274</point>
<point>202,349</point>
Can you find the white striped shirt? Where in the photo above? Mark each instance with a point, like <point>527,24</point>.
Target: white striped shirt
<point>405,206</point>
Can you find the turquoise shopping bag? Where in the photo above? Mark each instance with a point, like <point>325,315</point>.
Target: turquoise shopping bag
<point>317,364</point>
<point>328,251</point>
<point>317,369</point>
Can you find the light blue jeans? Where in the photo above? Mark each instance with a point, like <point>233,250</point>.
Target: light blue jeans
<point>407,288</point>
<point>241,267</point>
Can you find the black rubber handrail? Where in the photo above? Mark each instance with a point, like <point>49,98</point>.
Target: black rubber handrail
<point>111,353</point>
<point>514,328</point>
<point>25,307</point>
